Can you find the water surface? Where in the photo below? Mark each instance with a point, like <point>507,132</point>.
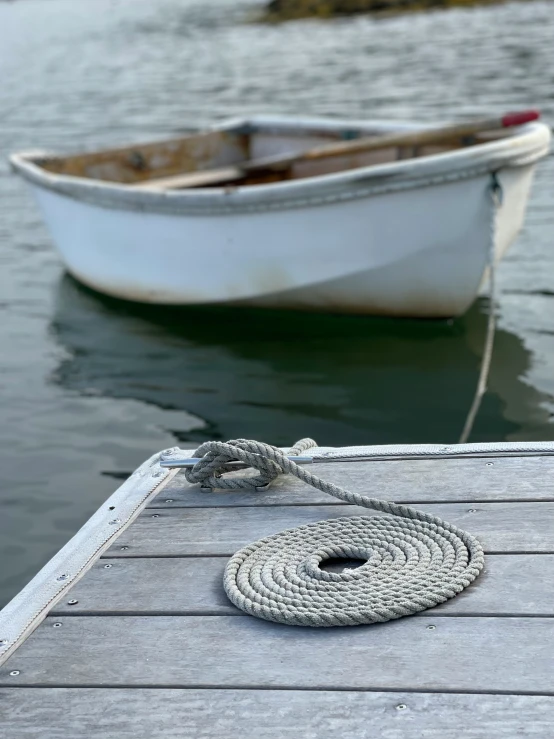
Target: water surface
<point>89,387</point>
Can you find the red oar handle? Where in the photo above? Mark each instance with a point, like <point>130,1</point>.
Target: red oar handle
<point>520,117</point>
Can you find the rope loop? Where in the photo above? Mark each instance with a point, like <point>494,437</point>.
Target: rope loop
<point>216,456</point>
<point>414,560</point>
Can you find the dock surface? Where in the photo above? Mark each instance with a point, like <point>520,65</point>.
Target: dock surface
<point>146,644</point>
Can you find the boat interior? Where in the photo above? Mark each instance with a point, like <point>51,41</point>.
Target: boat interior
<point>188,161</point>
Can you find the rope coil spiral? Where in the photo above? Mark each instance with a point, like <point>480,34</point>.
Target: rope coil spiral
<point>414,560</point>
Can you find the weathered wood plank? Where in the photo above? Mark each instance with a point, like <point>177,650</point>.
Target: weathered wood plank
<point>156,585</point>
<point>509,585</point>
<point>458,654</point>
<point>408,481</point>
<point>121,713</point>
<point>517,527</point>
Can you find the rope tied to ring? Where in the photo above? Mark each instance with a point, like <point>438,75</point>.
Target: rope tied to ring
<point>414,560</point>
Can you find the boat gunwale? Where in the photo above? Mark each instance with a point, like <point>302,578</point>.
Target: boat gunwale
<point>525,146</point>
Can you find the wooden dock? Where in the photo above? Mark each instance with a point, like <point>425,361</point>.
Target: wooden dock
<point>137,638</point>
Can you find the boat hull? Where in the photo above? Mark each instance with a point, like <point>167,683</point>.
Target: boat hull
<point>414,246</point>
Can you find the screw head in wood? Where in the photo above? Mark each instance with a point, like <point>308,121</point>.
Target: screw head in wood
<point>114,521</point>
<point>401,707</point>
<point>107,567</point>
<point>124,549</point>
<point>13,673</point>
<point>169,500</point>
<point>61,578</point>
<point>431,627</point>
<point>472,510</point>
<point>155,515</point>
<point>72,602</point>
<point>56,625</point>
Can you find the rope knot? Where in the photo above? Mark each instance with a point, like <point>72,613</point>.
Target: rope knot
<point>218,458</point>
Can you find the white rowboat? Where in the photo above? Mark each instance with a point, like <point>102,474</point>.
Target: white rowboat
<point>403,230</point>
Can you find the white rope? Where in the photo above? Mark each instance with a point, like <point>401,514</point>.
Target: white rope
<point>481,389</point>
<point>414,560</point>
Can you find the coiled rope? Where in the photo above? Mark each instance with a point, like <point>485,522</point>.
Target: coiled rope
<point>414,560</point>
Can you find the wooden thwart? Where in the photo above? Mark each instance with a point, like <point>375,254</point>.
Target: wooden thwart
<point>203,178</point>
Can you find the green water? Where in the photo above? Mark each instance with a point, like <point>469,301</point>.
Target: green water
<point>283,375</point>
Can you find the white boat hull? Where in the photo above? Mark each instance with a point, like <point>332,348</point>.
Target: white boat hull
<point>374,241</point>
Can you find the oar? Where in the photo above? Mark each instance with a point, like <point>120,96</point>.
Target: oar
<point>406,138</point>
<point>344,148</point>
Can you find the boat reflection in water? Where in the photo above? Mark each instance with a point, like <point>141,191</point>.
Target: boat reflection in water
<point>279,376</point>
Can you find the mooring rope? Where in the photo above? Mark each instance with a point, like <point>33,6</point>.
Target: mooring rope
<point>414,560</point>
<point>482,383</point>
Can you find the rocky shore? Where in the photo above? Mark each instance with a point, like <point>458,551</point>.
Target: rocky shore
<point>280,10</point>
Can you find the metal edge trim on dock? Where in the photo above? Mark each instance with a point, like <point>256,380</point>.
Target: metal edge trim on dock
<point>20,617</point>
<point>431,451</point>
<point>394,452</point>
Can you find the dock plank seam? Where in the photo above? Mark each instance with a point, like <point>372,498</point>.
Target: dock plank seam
<point>264,688</point>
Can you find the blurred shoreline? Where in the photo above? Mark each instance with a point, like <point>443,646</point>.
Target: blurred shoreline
<point>285,10</point>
